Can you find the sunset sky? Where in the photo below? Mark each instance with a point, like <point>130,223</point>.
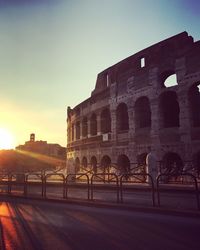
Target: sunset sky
<point>52,50</point>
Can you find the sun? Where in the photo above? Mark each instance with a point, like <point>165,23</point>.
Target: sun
<point>6,139</point>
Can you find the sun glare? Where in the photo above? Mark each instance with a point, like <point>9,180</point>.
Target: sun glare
<point>6,139</point>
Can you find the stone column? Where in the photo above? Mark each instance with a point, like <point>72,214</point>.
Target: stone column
<point>98,124</point>
<point>81,130</point>
<point>113,125</point>
<point>185,125</point>
<point>131,119</point>
<point>89,128</point>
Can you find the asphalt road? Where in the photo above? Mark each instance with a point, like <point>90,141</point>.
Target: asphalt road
<point>26,224</point>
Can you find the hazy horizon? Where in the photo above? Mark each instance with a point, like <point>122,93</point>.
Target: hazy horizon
<point>51,52</point>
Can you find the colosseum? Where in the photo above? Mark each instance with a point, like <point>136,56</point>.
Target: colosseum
<point>151,98</point>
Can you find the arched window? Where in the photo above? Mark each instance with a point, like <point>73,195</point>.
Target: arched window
<point>168,79</point>
<point>123,164</point>
<point>105,162</point>
<point>141,159</point>
<point>194,104</point>
<point>94,164</point>
<point>84,162</point>
<point>78,130</point>
<point>172,163</point>
<point>122,117</point>
<point>105,121</point>
<point>169,110</point>
<point>77,165</point>
<point>93,124</point>
<point>142,113</point>
<point>84,127</point>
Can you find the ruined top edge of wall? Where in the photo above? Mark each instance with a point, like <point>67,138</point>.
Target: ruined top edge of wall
<point>155,56</point>
<point>173,47</point>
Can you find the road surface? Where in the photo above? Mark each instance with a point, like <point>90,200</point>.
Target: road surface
<point>27,224</point>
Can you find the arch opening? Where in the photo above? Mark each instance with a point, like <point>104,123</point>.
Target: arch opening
<point>94,164</point>
<point>194,104</point>
<point>77,165</point>
<point>172,163</point>
<point>93,124</point>
<point>105,121</point>
<point>123,164</point>
<point>142,113</point>
<point>169,110</point>
<point>122,117</point>
<point>84,127</point>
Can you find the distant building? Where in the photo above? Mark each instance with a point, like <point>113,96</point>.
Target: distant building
<point>42,147</point>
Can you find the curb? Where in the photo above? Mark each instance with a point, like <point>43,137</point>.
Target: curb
<point>109,205</point>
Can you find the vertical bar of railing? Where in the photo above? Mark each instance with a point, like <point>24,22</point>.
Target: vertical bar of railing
<point>45,186</point>
<point>26,185</point>
<point>158,189</point>
<point>183,174</point>
<point>196,191</point>
<point>43,180</point>
<point>134,175</point>
<point>121,190</point>
<point>104,176</point>
<point>91,187</point>
<point>45,183</point>
<point>79,175</point>
<point>152,189</point>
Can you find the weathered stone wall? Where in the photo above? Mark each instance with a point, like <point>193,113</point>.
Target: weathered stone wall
<point>127,82</point>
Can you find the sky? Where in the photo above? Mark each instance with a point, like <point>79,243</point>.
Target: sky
<point>52,50</point>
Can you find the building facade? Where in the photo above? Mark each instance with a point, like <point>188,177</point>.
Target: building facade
<point>134,106</point>
<point>42,147</point>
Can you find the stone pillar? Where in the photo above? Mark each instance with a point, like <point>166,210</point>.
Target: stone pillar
<point>155,124</point>
<point>89,128</point>
<point>98,124</point>
<point>131,118</point>
<point>74,129</point>
<point>185,125</point>
<point>81,130</point>
<point>113,124</point>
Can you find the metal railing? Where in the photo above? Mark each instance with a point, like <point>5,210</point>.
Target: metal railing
<point>70,178</point>
<point>17,180</point>
<point>159,182</point>
<point>136,175</point>
<point>48,176</point>
<point>18,184</point>
<point>29,181</point>
<point>113,177</point>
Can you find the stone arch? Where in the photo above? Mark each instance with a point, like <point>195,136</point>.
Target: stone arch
<point>94,164</point>
<point>93,124</point>
<point>122,117</point>
<point>84,127</point>
<point>77,130</point>
<point>141,159</point>
<point>123,164</point>
<point>77,165</point>
<point>169,109</point>
<point>194,104</point>
<point>172,163</point>
<point>105,121</point>
<point>84,162</point>
<point>105,162</point>
<point>168,79</point>
<point>142,113</point>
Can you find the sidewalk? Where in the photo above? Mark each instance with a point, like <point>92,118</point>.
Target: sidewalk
<point>173,199</point>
